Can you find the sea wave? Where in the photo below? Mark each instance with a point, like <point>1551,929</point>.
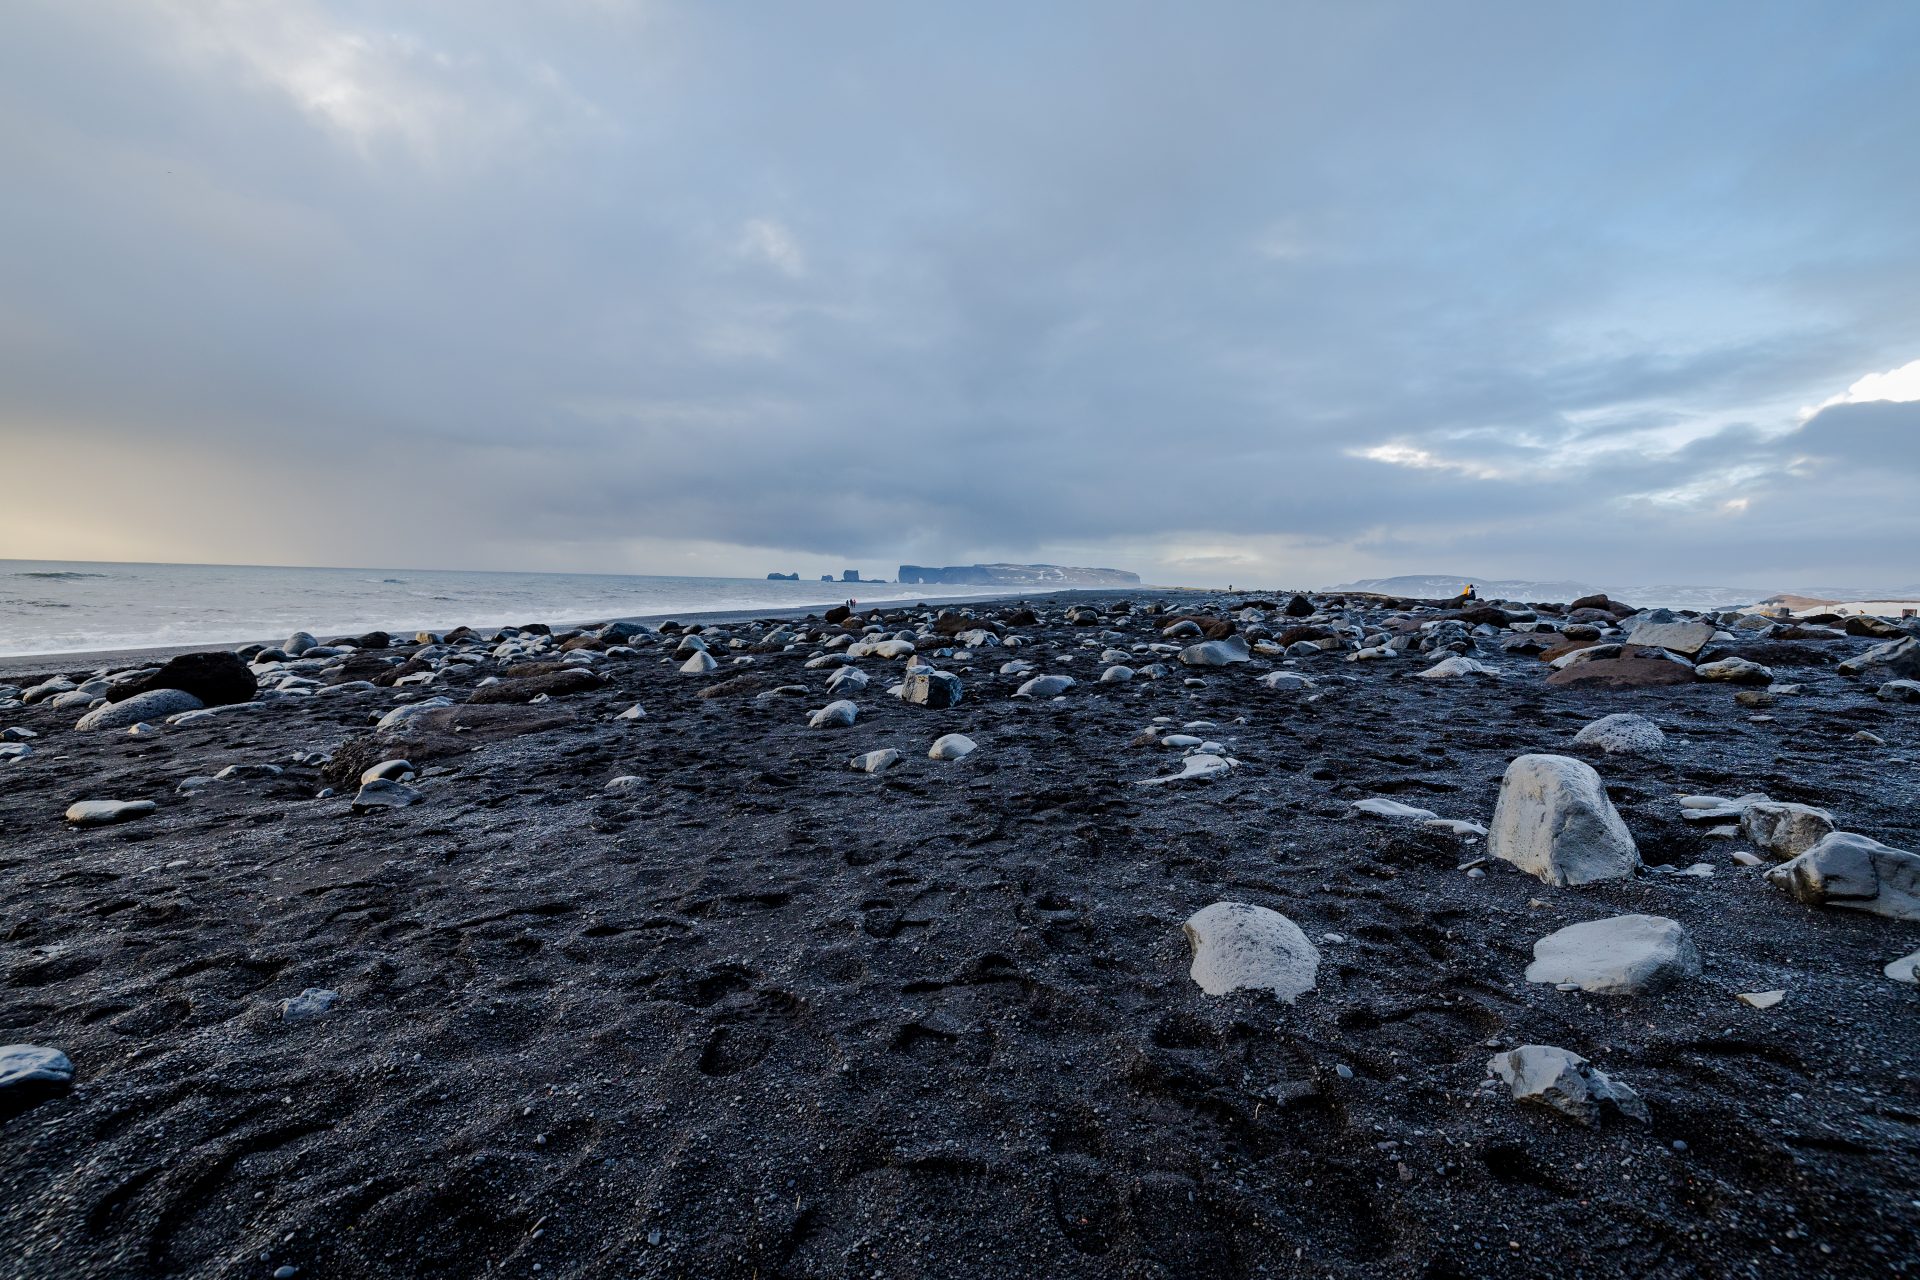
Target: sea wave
<point>58,575</point>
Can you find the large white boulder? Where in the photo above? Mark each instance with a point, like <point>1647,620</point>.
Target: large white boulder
<point>1554,821</point>
<point>1237,945</point>
<point>1620,955</point>
<point>1852,871</point>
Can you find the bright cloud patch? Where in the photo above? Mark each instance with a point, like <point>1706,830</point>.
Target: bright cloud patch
<point>1407,455</point>
<point>1902,384</point>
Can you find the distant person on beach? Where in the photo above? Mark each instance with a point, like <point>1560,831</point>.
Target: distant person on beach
<point>1467,593</point>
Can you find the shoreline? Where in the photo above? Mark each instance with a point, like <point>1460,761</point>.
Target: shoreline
<point>14,666</point>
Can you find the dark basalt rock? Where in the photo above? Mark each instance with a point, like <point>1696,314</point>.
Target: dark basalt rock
<point>217,678</point>
<point>555,684</point>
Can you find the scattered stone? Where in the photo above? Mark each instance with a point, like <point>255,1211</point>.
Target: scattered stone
<point>314,1002</point>
<point>1216,653</point>
<point>1734,671</point>
<point>1455,667</point>
<point>1906,969</point>
<point>1381,807</point>
<point>625,784</point>
<point>698,663</point>
<point>398,770</point>
<point>1197,767</point>
<point>846,680</point>
<point>1895,660</point>
<point>155,704</point>
<point>1684,638</point>
<point>634,712</point>
<point>952,746</point>
<point>1554,1077</point>
<point>833,715</point>
<point>1855,872</point>
<point>1045,687</point>
<point>1619,955</point>
<point>1553,820</point>
<point>31,1073</point>
<point>1239,946</point>
<point>1623,732</point>
<point>384,793</point>
<point>932,689</point>
<point>1899,691</point>
<point>100,813</point>
<point>217,678</point>
<point>876,761</point>
<point>1783,830</point>
<point>1761,999</point>
<point>1116,674</point>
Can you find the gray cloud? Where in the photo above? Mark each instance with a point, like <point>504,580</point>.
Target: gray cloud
<point>1296,291</point>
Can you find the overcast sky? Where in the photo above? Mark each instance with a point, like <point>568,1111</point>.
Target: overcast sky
<point>1262,293</point>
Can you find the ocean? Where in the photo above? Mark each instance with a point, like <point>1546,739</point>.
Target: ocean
<point>57,606</point>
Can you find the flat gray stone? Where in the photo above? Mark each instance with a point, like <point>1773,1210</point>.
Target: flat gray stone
<point>952,746</point>
<point>384,793</point>
<point>1620,955</point>
<point>1687,638</point>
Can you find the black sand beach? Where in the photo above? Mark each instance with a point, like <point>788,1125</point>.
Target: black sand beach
<point>757,1013</point>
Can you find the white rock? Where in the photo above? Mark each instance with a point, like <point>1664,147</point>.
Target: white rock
<point>876,761</point>
<point>1455,667</point>
<point>1554,821</point>
<point>634,712</point>
<point>1554,1077</point>
<point>833,715</point>
<point>384,793</point>
<point>33,1065</point>
<point>1216,653</point>
<point>1117,674</point>
<point>309,1004</point>
<point>847,680</point>
<point>625,784</point>
<point>1194,768</point>
<point>1735,671</point>
<point>1783,830</point>
<point>99,813</point>
<point>1381,807</point>
<point>1620,955</point>
<point>1906,969</point>
<point>1239,946</point>
<point>1852,871</point>
<point>1623,732</point>
<point>1285,681</point>
<point>1045,687</point>
<point>154,704</point>
<point>698,663</point>
<point>399,716</point>
<point>1761,999</point>
<point>952,746</point>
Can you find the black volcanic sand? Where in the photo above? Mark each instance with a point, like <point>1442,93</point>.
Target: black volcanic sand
<point>767,1016</point>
